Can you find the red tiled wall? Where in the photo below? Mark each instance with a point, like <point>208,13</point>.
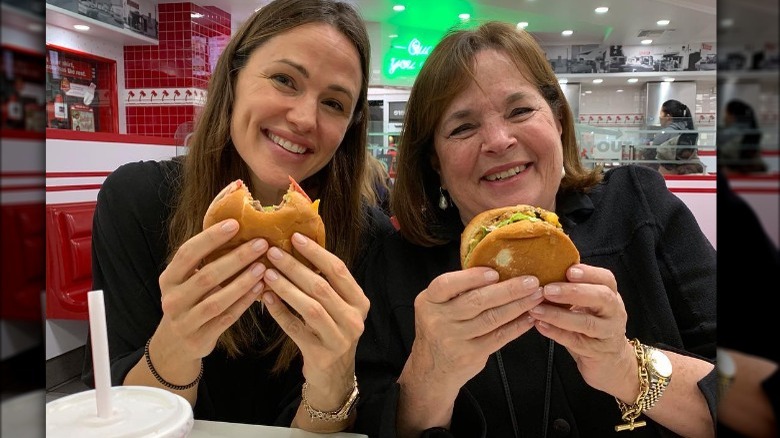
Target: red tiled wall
<point>180,61</point>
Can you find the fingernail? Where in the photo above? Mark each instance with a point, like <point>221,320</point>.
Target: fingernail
<point>258,269</point>
<point>491,275</point>
<point>259,245</point>
<point>539,310</point>
<point>537,294</point>
<point>299,238</point>
<point>271,275</point>
<point>258,288</point>
<point>575,273</point>
<point>230,225</point>
<point>275,253</point>
<point>530,282</point>
<point>268,298</point>
<point>552,290</point>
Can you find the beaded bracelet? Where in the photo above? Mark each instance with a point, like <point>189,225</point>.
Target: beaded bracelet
<point>164,382</point>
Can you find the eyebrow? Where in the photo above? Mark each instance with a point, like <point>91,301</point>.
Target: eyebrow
<point>462,114</point>
<point>305,73</point>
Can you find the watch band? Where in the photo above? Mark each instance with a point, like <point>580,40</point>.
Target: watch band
<point>340,414</point>
<point>658,383</point>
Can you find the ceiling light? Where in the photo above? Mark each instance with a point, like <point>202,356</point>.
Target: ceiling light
<point>196,15</point>
<point>601,10</point>
<point>727,22</point>
<point>662,22</point>
<point>522,25</point>
<point>647,41</point>
<point>588,91</point>
<point>619,90</point>
<point>668,79</point>
<point>563,81</point>
<point>399,8</point>
<point>81,27</point>
<point>633,80</point>
<point>598,81</point>
<point>567,32</point>
<point>464,16</point>
<point>393,35</point>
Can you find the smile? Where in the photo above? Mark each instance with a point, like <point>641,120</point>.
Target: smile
<point>286,144</point>
<point>506,174</point>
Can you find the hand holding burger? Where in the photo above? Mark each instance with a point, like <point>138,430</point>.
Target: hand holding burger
<point>519,240</point>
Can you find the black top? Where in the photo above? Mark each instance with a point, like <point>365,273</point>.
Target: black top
<point>630,224</point>
<point>129,249</point>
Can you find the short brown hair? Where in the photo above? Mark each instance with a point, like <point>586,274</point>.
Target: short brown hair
<point>448,70</point>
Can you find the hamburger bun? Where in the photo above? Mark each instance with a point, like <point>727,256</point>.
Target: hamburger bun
<point>276,224</point>
<point>519,240</point>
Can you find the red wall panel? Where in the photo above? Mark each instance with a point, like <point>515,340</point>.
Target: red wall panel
<point>22,261</point>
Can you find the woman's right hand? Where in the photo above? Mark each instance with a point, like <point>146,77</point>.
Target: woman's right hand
<point>460,320</point>
<point>196,309</point>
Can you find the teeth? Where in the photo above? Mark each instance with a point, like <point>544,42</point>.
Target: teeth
<point>505,174</point>
<point>286,144</point>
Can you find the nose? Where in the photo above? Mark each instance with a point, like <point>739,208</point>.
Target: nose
<point>302,115</point>
<point>496,137</point>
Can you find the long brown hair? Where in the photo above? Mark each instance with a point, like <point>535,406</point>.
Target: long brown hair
<point>448,70</point>
<point>212,161</point>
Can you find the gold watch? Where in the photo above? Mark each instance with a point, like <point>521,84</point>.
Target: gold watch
<point>659,371</point>
<point>340,414</point>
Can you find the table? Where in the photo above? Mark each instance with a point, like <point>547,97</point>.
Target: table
<point>215,429</point>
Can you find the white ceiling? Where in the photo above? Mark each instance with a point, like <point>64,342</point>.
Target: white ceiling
<point>691,20</point>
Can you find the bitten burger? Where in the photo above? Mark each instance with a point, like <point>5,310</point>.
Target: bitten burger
<point>519,240</point>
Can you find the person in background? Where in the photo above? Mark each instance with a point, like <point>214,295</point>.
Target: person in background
<point>739,142</point>
<point>453,352</point>
<point>674,158</point>
<point>288,98</point>
<point>378,183</point>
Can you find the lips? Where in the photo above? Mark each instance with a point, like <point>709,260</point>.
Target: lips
<point>287,144</point>
<point>504,174</point>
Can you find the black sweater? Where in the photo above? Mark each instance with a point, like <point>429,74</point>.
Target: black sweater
<point>630,224</point>
<point>129,249</point>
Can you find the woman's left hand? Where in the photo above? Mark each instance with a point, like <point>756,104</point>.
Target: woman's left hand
<point>331,309</point>
<point>589,319</point>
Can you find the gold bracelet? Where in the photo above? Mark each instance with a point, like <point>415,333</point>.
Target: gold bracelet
<point>164,382</point>
<point>629,413</point>
<point>340,414</point>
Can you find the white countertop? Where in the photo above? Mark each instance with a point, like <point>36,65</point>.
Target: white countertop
<point>214,429</point>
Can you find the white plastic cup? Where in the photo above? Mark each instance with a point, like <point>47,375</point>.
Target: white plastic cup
<point>137,411</point>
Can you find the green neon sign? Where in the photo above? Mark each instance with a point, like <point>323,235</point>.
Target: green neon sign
<point>408,52</point>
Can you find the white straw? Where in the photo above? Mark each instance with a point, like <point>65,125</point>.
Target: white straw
<point>100,363</point>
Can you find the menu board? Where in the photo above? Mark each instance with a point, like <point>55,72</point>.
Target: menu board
<point>71,84</point>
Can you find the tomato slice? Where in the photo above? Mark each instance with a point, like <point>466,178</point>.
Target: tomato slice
<point>295,186</point>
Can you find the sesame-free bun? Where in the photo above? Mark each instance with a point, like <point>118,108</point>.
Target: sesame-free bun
<point>537,247</point>
<point>296,213</point>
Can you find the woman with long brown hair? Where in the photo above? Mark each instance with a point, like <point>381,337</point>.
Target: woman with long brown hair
<point>288,97</point>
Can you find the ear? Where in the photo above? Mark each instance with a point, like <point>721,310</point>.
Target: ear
<point>559,126</point>
<point>435,163</point>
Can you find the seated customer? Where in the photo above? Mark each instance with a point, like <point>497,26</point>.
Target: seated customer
<point>454,352</point>
<point>673,156</point>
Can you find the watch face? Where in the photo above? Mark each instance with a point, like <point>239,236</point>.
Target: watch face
<point>661,364</point>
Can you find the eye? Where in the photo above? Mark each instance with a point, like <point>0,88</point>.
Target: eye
<point>335,104</point>
<point>283,80</point>
<point>522,113</point>
<point>461,130</point>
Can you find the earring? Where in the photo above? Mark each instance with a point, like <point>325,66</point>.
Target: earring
<point>444,203</point>
<point>563,172</point>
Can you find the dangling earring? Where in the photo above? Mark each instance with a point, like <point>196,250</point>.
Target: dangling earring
<point>444,203</point>
<point>563,172</point>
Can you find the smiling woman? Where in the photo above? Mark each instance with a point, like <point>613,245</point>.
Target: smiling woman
<point>287,99</point>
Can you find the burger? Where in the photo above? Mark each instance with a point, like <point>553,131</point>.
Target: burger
<point>274,223</point>
<point>519,240</point>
